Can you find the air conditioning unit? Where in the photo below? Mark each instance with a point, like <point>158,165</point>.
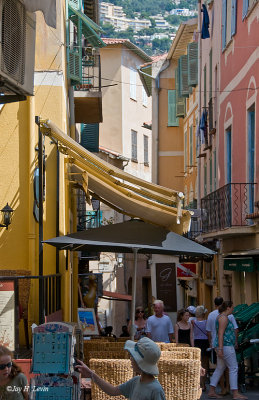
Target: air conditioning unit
<point>17,48</point>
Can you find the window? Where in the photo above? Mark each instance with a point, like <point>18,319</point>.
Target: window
<point>215,169</point>
<point>146,162</point>
<point>228,156</point>
<point>251,155</point>
<point>205,85</point>
<point>185,151</point>
<point>205,179</point>
<point>144,97</point>
<point>210,174</point>
<point>191,145</point>
<point>134,146</point>
<point>133,84</point>
<point>229,17</point>
<point>247,5</point>
<point>210,79</point>
<point>172,119</point>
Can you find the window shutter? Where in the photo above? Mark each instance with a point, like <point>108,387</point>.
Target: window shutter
<point>180,107</point>
<point>74,51</point>
<point>180,101</point>
<point>183,75</point>
<point>224,23</point>
<point>233,17</point>
<point>172,120</point>
<point>245,9</point>
<point>210,82</point>
<point>192,64</point>
<point>90,137</point>
<point>133,81</point>
<point>205,86</point>
<point>191,145</point>
<point>205,179</point>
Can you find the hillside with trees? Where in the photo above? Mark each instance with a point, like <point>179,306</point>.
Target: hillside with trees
<point>146,9</point>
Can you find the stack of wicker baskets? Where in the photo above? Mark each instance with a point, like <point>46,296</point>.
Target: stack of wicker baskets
<point>113,371</point>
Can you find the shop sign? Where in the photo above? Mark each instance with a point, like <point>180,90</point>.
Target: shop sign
<point>239,264</point>
<point>188,273</point>
<point>166,285</point>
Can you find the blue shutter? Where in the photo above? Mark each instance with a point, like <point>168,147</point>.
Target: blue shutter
<point>224,23</point>
<point>233,17</point>
<point>172,120</point>
<point>90,137</point>
<point>245,9</point>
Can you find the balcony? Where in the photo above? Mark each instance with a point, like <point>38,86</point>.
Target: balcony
<point>88,95</point>
<point>227,207</point>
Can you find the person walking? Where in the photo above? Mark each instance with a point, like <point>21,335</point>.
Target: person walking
<point>226,354</point>
<point>159,325</point>
<point>201,340</point>
<point>211,331</point>
<point>140,323</point>
<point>183,328</point>
<point>144,357</point>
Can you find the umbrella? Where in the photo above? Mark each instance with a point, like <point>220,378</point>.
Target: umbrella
<point>134,236</point>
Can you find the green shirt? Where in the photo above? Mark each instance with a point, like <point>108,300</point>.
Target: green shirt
<point>13,389</point>
<point>134,389</point>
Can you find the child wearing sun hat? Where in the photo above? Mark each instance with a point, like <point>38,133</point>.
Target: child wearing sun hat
<point>144,357</point>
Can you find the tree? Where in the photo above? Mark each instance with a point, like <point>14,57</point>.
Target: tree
<point>108,29</point>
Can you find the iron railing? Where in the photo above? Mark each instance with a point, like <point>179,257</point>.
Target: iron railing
<point>227,207</point>
<point>91,74</point>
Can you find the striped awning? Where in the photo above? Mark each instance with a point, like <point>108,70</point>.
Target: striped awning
<point>123,192</point>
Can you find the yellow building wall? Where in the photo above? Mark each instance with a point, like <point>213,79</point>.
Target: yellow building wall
<point>171,145</point>
<point>18,159</point>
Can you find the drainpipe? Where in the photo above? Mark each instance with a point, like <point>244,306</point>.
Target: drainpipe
<point>41,283</point>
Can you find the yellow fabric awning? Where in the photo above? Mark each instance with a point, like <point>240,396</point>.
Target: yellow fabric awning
<point>124,192</point>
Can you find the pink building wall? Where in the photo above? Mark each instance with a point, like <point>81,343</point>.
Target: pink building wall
<point>239,78</point>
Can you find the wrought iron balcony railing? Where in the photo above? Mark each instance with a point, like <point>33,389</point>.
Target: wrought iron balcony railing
<point>91,74</point>
<point>227,207</point>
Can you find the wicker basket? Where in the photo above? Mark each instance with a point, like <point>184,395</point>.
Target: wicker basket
<point>175,355</point>
<point>100,347</point>
<point>113,371</point>
<point>109,354</point>
<point>193,353</point>
<point>180,379</point>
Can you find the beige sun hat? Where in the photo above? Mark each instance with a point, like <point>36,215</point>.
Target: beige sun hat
<point>146,353</point>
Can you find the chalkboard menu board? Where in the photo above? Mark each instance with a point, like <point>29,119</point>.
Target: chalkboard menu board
<point>166,285</point>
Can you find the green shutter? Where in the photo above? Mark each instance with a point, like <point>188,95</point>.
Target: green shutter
<point>180,101</point>
<point>90,137</point>
<point>74,53</point>
<point>183,76</point>
<point>205,179</point>
<point>75,3</point>
<point>172,120</point>
<point>192,64</point>
<point>210,82</point>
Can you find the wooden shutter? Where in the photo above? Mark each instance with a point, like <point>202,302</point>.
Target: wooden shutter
<point>180,101</point>
<point>90,137</point>
<point>233,17</point>
<point>192,64</point>
<point>133,82</point>
<point>172,119</point>
<point>224,23</point>
<point>245,9</point>
<point>183,76</point>
<point>74,52</point>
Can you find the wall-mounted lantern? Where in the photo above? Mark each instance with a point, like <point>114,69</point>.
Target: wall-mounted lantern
<point>7,212</point>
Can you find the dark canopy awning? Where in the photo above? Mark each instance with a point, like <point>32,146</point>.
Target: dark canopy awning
<point>123,237</point>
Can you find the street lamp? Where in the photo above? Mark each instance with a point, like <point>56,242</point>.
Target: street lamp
<point>7,212</point>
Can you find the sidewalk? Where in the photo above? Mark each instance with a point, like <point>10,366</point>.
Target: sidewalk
<point>251,394</point>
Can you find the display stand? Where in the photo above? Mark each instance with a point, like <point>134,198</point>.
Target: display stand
<point>53,359</point>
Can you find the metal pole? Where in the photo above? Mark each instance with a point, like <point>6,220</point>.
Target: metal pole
<point>40,164</point>
<point>133,302</point>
